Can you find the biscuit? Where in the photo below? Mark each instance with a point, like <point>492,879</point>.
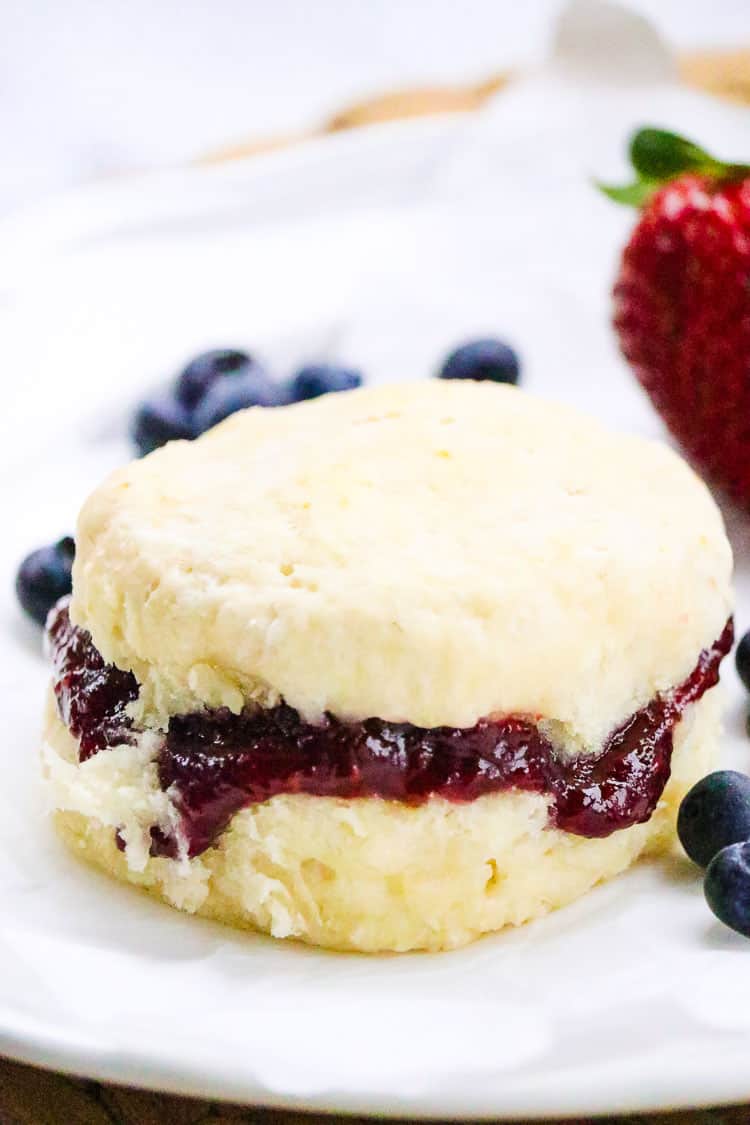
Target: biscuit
<point>389,669</point>
<point>429,553</point>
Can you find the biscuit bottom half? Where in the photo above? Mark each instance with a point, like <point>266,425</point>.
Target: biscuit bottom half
<point>365,874</point>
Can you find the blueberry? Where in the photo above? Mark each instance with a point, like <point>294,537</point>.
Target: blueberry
<point>742,660</point>
<point>321,378</point>
<point>159,420</point>
<point>44,577</point>
<point>228,395</point>
<point>714,814</point>
<point>727,887</point>
<point>203,371</point>
<point>482,359</point>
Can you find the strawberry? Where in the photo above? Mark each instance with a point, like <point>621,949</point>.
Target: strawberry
<point>682,300</point>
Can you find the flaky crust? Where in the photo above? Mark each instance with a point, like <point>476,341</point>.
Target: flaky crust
<point>432,552</point>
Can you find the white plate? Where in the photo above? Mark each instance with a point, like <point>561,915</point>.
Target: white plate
<point>379,249</point>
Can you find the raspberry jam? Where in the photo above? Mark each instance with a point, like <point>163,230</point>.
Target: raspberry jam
<point>215,763</point>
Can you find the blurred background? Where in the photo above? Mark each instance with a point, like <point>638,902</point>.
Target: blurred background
<point>90,89</point>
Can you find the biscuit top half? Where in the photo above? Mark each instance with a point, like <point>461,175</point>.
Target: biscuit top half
<point>434,552</point>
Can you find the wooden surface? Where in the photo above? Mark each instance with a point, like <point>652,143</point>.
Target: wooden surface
<point>34,1097</point>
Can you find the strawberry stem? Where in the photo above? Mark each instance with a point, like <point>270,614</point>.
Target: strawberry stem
<point>658,156</point>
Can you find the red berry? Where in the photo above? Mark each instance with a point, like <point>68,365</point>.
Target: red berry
<point>682,315</point>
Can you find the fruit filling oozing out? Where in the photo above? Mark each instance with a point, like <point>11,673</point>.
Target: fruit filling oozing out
<point>215,763</point>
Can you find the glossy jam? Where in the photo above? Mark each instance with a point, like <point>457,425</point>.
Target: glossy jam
<point>215,763</point>
<point>91,695</point>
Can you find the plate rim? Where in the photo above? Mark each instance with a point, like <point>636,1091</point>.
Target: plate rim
<point>54,1051</point>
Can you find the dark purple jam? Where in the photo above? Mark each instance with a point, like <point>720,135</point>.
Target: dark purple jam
<point>91,695</point>
<point>215,763</point>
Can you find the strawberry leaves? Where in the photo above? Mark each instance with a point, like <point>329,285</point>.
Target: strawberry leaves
<point>658,156</point>
<point>636,194</point>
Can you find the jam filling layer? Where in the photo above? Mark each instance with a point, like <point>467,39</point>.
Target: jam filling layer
<point>215,763</point>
